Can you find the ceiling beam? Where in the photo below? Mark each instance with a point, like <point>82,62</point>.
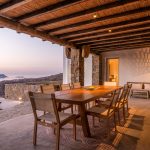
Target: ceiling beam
<point>12,5</point>
<point>48,9</point>
<point>122,44</point>
<point>34,33</point>
<point>114,32</point>
<point>104,27</point>
<point>84,12</point>
<point>108,41</point>
<point>121,47</point>
<point>113,16</point>
<point>145,37</point>
<point>118,36</point>
<point>125,42</point>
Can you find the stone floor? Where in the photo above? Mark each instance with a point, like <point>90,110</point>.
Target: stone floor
<point>135,135</point>
<point>16,132</point>
<point>5,103</point>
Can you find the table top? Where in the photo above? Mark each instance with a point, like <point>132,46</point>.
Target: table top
<point>84,94</point>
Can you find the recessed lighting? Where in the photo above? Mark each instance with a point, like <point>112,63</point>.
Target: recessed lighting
<point>109,31</point>
<point>95,16</point>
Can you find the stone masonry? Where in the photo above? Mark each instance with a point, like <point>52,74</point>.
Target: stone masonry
<point>77,66</point>
<point>95,69</point>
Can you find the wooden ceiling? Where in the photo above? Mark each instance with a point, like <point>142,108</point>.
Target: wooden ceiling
<point>105,25</point>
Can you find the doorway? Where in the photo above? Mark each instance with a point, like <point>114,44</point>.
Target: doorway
<point>112,72</point>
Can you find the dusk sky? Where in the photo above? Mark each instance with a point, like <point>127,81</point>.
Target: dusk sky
<point>22,55</point>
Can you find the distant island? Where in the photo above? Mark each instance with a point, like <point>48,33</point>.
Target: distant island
<point>3,76</point>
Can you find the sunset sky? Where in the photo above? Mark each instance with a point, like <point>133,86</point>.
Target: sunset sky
<point>22,55</point>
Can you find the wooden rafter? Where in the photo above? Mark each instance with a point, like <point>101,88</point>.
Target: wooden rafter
<point>84,12</point>
<point>24,29</point>
<point>104,27</point>
<point>113,16</point>
<point>122,44</point>
<point>48,9</point>
<point>121,39</point>
<point>114,32</point>
<point>12,4</point>
<point>118,36</point>
<point>131,39</point>
<point>120,49</point>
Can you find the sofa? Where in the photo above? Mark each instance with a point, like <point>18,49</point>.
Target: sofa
<point>140,89</point>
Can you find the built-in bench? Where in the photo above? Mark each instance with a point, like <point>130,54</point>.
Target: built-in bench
<point>140,89</point>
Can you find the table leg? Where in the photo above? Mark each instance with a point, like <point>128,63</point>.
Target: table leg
<point>84,121</point>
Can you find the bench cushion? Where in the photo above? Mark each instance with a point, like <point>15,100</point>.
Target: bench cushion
<point>147,86</point>
<point>137,86</point>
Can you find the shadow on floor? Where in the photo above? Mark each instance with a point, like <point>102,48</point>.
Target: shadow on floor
<point>128,143</point>
<point>137,122</point>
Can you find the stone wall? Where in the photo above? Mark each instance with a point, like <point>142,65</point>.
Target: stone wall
<point>19,91</point>
<point>95,69</point>
<point>77,66</point>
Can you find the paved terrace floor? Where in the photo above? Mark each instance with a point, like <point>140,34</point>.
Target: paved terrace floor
<point>16,131</point>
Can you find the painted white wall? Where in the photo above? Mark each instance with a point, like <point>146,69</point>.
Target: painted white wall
<point>134,65</point>
<point>88,70</point>
<point>66,69</point>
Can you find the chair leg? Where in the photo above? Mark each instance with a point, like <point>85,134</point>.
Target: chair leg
<point>115,122</point>
<point>127,108</point>
<point>118,116</point>
<point>58,137</point>
<point>93,118</point>
<point>72,109</point>
<point>124,114</point>
<point>108,128</point>
<point>35,133</point>
<point>74,129</point>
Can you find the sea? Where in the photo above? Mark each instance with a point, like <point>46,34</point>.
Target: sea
<point>21,77</point>
<point>10,78</point>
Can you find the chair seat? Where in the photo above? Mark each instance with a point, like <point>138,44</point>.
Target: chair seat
<point>100,110</point>
<point>63,105</point>
<point>52,117</point>
<point>119,105</point>
<point>107,102</point>
<point>123,101</point>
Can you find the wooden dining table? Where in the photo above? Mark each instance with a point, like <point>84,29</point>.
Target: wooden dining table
<point>81,97</point>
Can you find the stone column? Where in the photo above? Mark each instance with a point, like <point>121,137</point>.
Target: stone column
<point>77,66</point>
<point>95,69</point>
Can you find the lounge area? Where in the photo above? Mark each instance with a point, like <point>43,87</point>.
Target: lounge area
<point>103,100</point>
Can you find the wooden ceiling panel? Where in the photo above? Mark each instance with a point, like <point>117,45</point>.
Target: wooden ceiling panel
<point>102,22</point>
<point>29,7</point>
<point>86,4</point>
<point>3,1</point>
<point>71,22</point>
<point>89,16</point>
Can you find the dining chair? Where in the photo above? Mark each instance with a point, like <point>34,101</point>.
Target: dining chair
<point>53,118</point>
<point>106,112</point>
<point>120,104</point>
<point>65,87</point>
<point>76,85</point>
<point>107,96</point>
<point>125,100</point>
<point>47,88</point>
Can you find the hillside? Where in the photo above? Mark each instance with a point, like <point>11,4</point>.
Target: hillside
<point>57,77</point>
